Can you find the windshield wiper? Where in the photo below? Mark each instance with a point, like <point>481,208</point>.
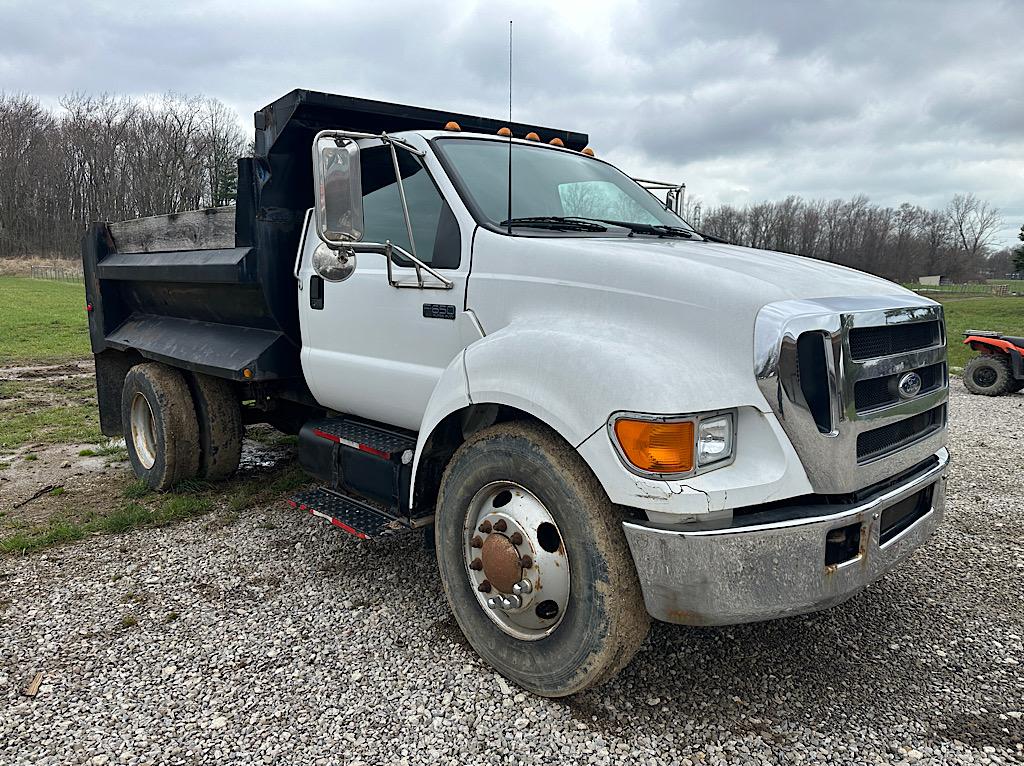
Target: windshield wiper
<point>556,222</point>
<point>658,230</point>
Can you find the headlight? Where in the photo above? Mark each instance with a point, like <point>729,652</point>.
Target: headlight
<point>714,440</point>
<point>672,446</point>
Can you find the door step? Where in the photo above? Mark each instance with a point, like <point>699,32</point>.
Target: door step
<point>367,462</point>
<point>347,513</point>
<point>366,438</point>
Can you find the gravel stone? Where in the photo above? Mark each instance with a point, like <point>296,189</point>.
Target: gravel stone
<point>297,644</point>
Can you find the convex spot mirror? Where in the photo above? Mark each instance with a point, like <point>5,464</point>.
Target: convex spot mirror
<point>335,264</point>
<point>339,190</point>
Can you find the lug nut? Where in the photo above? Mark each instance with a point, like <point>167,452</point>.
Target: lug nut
<point>511,602</point>
<point>485,527</point>
<point>526,562</point>
<point>522,588</point>
<point>516,538</point>
<point>476,564</point>
<point>476,542</point>
<point>484,587</point>
<point>494,602</point>
<point>500,525</point>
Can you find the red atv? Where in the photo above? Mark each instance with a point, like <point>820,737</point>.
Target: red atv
<point>1000,367</point>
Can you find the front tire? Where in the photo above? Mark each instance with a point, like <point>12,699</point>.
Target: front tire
<point>526,474</point>
<point>989,375</point>
<point>160,427</point>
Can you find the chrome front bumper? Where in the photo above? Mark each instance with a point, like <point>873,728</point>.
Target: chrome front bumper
<point>772,564</point>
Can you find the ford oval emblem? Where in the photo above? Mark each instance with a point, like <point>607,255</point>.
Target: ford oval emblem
<point>909,385</point>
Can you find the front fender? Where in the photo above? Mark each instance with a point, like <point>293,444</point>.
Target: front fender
<point>573,374</point>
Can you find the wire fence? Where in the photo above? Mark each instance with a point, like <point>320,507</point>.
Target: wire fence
<point>58,273</point>
<point>965,289</point>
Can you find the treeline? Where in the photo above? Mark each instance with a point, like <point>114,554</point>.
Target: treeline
<point>108,158</point>
<point>115,157</point>
<point>901,243</point>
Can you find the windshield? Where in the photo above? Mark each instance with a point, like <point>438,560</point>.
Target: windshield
<point>548,184</point>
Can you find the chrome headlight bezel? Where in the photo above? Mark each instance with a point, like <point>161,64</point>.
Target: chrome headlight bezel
<point>696,418</point>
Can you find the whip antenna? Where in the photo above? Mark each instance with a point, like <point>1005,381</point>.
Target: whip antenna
<point>509,217</point>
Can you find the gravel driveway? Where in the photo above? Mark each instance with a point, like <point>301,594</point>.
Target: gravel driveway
<point>275,639</point>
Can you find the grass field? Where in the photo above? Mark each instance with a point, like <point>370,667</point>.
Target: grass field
<point>1004,315</point>
<point>41,321</point>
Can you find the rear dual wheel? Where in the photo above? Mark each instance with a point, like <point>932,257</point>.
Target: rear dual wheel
<point>534,561</point>
<point>174,431</point>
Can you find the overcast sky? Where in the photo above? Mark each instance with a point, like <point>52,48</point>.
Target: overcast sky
<point>744,101</point>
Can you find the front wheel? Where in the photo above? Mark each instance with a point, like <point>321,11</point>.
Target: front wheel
<point>989,375</point>
<point>534,562</point>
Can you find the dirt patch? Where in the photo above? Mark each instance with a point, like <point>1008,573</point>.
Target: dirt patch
<point>50,476</point>
<point>50,373</point>
<point>67,480</point>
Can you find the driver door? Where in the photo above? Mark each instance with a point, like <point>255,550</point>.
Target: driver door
<point>371,349</point>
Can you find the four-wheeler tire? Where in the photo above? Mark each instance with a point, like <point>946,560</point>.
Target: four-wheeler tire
<point>160,425</point>
<point>219,415</point>
<point>560,513</point>
<point>989,375</point>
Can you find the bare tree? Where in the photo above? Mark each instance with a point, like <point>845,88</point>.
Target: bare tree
<point>108,157</point>
<point>974,222</point>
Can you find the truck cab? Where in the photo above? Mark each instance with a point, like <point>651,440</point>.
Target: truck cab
<point>486,331</point>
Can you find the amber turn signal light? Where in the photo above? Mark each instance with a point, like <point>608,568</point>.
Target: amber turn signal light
<point>656,447</point>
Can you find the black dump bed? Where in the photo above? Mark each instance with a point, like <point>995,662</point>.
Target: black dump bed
<point>212,291</point>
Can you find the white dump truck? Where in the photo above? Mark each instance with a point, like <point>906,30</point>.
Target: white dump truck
<point>599,414</point>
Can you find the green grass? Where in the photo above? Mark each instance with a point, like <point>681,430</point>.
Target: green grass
<point>50,425</point>
<point>1005,315</point>
<point>42,321</point>
<point>111,449</point>
<point>131,515</point>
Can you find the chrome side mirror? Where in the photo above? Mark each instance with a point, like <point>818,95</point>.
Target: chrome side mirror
<point>339,190</point>
<point>334,263</point>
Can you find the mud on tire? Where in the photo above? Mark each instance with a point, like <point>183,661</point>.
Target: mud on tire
<point>989,375</point>
<point>160,427</point>
<point>605,621</point>
<point>219,416</point>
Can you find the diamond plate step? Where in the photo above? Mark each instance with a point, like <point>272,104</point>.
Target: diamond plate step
<point>376,441</point>
<point>346,513</point>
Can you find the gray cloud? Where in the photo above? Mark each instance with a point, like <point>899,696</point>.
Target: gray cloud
<point>744,100</point>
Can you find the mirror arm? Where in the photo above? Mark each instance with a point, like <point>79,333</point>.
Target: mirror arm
<point>388,249</point>
<point>405,213</point>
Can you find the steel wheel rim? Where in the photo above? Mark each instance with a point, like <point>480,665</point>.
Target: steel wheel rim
<point>143,431</point>
<point>985,376</point>
<point>540,545</point>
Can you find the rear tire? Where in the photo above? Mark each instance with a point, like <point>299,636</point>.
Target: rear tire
<point>604,621</point>
<point>160,427</point>
<point>219,415</point>
<point>989,375</point>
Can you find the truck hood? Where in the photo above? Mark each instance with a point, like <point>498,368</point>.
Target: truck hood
<point>702,273</point>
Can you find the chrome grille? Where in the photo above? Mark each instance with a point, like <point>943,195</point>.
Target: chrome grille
<point>872,393</point>
<point>830,369</point>
<point>883,441</point>
<point>873,342</point>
